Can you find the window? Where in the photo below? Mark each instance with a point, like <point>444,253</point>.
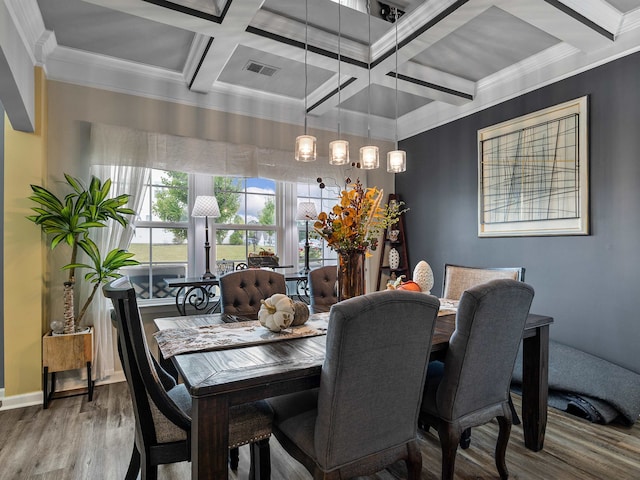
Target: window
<point>247,223</point>
<point>160,241</point>
<point>255,217</point>
<point>324,199</point>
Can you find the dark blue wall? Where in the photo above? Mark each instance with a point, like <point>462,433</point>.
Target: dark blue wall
<point>589,284</point>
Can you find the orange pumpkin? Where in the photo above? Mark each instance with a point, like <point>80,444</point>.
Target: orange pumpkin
<point>409,285</point>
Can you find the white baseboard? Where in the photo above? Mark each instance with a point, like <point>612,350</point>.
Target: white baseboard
<point>36,398</point>
<point>19,401</point>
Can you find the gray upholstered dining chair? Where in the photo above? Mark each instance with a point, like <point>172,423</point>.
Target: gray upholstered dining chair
<point>323,291</point>
<point>162,408</point>
<point>472,386</point>
<point>242,290</point>
<point>364,415</point>
<point>458,278</point>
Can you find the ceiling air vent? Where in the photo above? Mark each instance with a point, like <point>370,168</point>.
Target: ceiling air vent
<point>260,68</point>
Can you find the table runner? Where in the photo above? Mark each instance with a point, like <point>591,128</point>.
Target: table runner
<point>174,341</point>
<point>448,306</point>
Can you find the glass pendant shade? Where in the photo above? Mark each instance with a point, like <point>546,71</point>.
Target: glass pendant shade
<point>339,152</point>
<point>396,161</point>
<point>305,148</point>
<point>369,157</point>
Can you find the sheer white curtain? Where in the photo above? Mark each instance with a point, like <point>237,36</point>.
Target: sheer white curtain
<point>126,180</point>
<point>125,156</point>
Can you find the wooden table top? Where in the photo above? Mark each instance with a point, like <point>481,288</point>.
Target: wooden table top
<point>210,372</point>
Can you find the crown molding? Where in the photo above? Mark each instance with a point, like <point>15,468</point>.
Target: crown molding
<point>546,68</point>
<point>43,47</point>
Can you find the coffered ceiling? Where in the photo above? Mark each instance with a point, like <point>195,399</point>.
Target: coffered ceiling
<point>453,57</point>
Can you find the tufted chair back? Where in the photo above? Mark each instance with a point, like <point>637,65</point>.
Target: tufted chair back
<point>242,290</point>
<point>322,288</point>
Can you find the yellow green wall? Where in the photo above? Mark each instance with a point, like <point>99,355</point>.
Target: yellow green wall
<point>24,253</point>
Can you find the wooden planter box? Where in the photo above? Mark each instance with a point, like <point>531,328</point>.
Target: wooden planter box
<point>66,352</point>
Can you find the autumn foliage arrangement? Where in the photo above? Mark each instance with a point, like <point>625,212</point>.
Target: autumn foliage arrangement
<point>355,223</point>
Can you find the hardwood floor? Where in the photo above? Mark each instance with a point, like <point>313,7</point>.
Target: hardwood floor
<point>78,440</point>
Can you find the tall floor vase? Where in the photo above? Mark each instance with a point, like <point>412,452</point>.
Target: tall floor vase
<point>350,274</point>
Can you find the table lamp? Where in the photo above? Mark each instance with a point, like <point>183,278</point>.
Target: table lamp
<point>206,206</point>
<point>306,211</point>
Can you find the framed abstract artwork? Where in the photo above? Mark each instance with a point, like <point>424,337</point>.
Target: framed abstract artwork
<point>533,176</point>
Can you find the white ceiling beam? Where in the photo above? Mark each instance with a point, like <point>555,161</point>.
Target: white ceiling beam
<point>227,37</point>
<point>20,27</point>
<point>599,12</point>
<point>552,20</point>
<point>293,30</point>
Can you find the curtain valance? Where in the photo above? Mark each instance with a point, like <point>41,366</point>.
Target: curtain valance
<point>121,145</point>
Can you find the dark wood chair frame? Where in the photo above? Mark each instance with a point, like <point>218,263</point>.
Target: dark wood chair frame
<point>147,453</point>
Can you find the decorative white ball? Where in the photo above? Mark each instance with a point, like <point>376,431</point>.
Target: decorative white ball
<point>423,276</point>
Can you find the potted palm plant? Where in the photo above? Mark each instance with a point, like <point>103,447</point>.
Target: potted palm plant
<point>71,220</point>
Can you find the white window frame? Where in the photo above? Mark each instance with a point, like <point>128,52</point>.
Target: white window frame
<point>286,228</point>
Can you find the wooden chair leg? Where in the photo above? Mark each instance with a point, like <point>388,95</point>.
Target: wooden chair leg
<point>260,467</point>
<point>134,464</point>
<point>514,414</point>
<point>465,439</point>
<point>449,440</point>
<point>501,446</point>
<point>234,458</point>
<point>148,471</point>
<point>414,461</point>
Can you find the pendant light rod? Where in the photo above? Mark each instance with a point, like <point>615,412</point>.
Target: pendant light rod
<point>306,50</point>
<point>339,63</point>
<point>339,149</point>
<point>397,159</point>
<point>369,154</point>
<point>305,148</point>
<point>396,22</point>
<point>369,74</point>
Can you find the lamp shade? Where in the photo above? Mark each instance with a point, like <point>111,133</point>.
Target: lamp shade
<point>306,211</point>
<point>339,152</point>
<point>205,206</point>
<point>396,161</point>
<point>369,157</point>
<point>305,148</point>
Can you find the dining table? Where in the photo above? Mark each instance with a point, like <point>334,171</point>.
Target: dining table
<point>235,373</point>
